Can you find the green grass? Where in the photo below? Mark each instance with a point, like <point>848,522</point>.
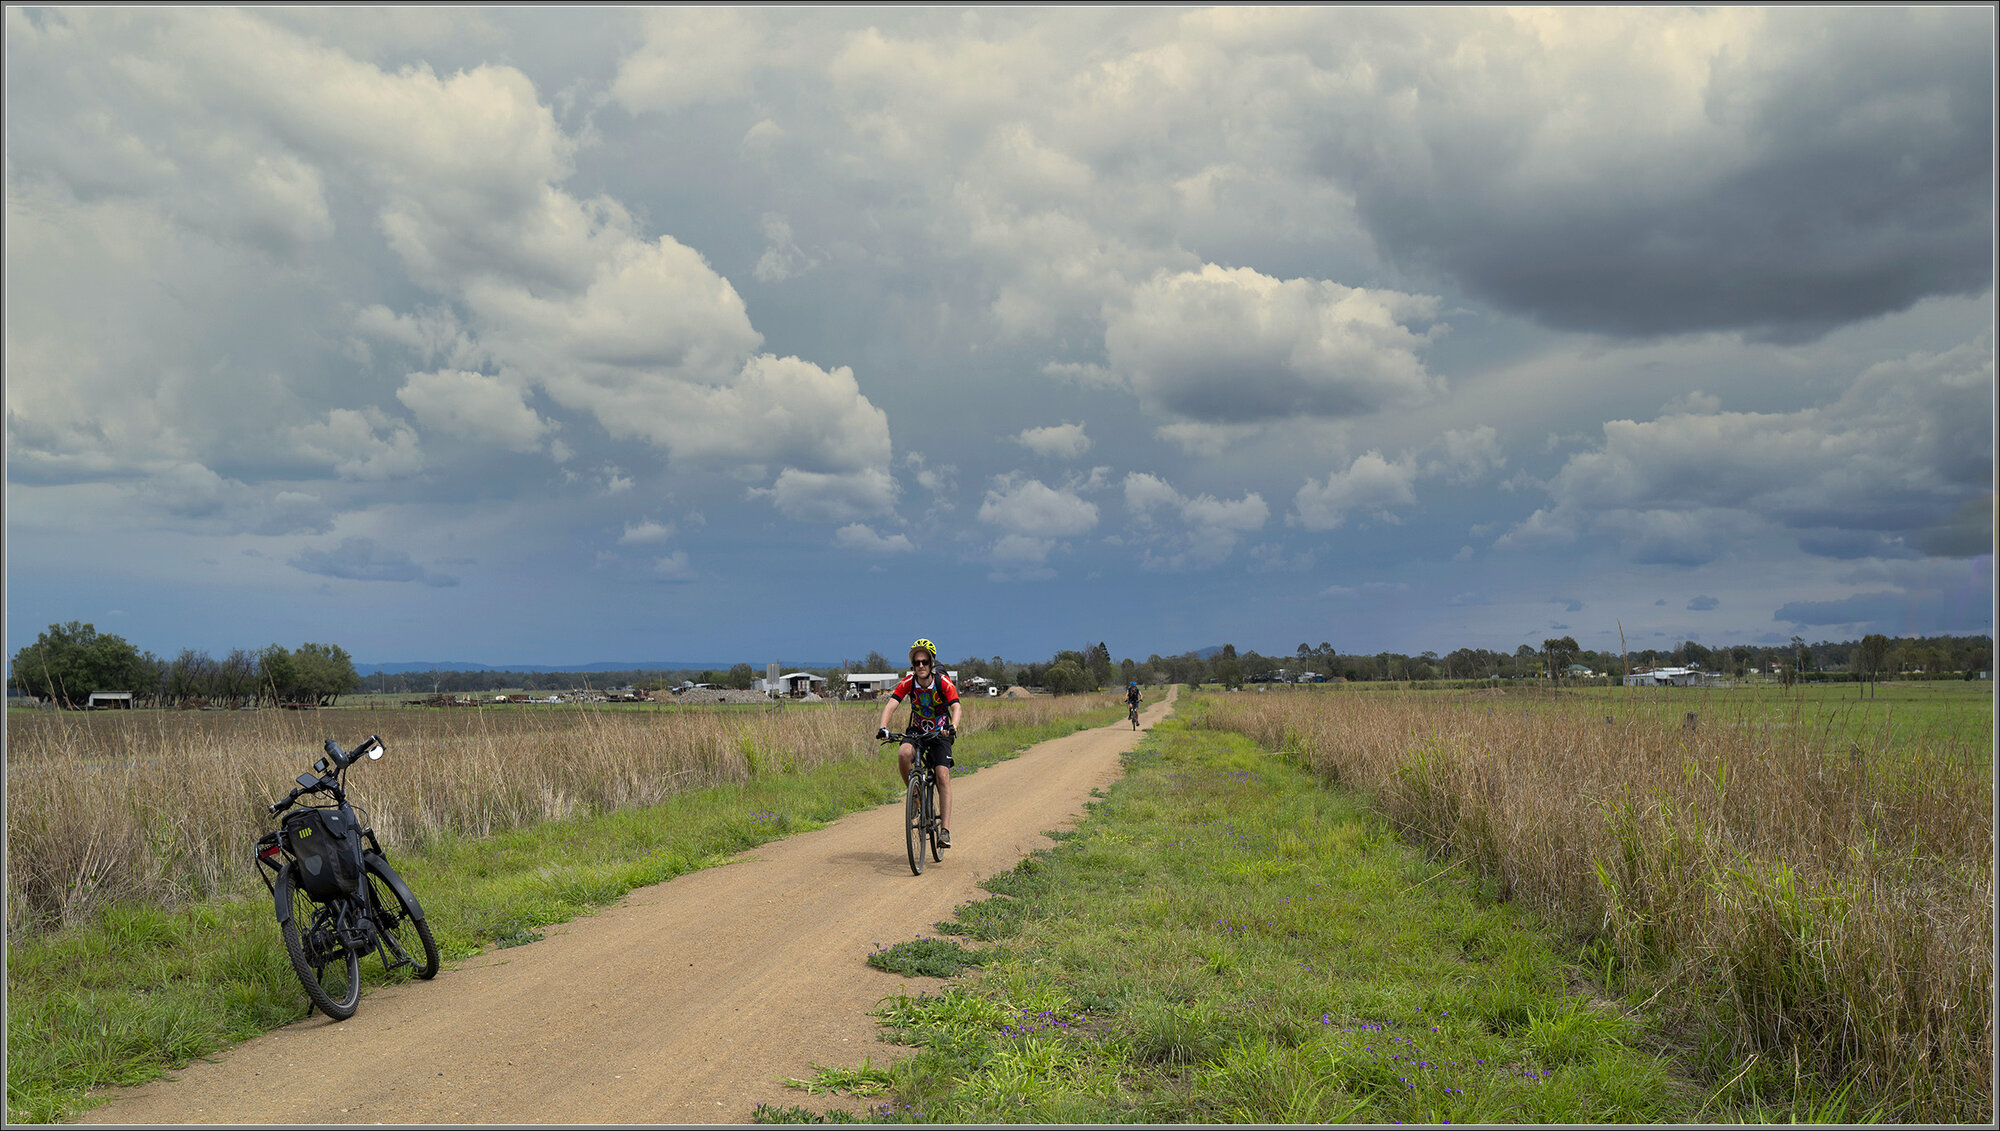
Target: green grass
<point>1224,941</point>
<point>140,991</point>
<point>1885,718</point>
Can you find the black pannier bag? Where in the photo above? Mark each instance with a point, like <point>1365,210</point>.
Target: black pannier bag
<point>327,847</point>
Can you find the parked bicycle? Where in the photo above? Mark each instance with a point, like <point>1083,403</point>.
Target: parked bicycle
<point>920,804</point>
<point>337,899</point>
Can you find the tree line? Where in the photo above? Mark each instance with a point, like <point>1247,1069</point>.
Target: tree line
<point>68,662</point>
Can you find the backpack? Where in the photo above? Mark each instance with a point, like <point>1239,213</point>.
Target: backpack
<point>327,846</point>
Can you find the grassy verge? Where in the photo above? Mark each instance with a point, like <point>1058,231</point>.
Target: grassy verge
<point>1223,940</point>
<point>140,989</point>
<point>1815,912</point>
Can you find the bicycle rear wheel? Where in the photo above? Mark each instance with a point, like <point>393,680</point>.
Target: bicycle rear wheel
<point>913,821</point>
<point>329,969</point>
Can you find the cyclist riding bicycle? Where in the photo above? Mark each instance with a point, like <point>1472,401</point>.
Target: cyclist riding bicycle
<point>1132,695</point>
<point>934,711</point>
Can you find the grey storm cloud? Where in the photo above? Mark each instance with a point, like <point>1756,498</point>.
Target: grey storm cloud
<point>360,559</point>
<point>1862,608</point>
<point>1702,604</point>
<point>1793,171</point>
<point>1905,453</point>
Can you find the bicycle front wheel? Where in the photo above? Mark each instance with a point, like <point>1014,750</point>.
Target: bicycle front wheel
<point>913,822</point>
<point>329,969</point>
<point>931,819</point>
<point>399,926</point>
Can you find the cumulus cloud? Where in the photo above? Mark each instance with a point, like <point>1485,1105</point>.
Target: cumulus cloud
<point>673,567</point>
<point>646,531</point>
<point>1901,451</point>
<point>782,411</point>
<point>189,496</point>
<point>360,559</point>
<point>939,481</point>
<point>1033,509</point>
<point>1702,604</point>
<point>816,496</point>
<point>782,258</point>
<point>689,55</point>
<point>474,406</point>
<point>1208,528</point>
<point>360,444</point>
<point>1234,346</point>
<point>1370,484</point>
<point>1056,441</point>
<point>240,130</point>
<point>1468,456</point>
<point>862,537</point>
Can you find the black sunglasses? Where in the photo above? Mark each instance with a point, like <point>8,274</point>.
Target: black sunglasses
<point>920,663</point>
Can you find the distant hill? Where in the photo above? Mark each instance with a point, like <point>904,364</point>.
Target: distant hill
<point>407,666</point>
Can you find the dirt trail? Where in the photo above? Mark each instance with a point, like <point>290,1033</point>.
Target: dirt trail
<point>686,1002</point>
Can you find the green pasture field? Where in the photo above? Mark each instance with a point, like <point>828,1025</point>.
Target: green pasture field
<point>1223,940</point>
<point>141,990</point>
<point>1940,715</point>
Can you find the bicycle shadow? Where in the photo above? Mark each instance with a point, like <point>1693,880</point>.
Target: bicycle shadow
<point>880,863</point>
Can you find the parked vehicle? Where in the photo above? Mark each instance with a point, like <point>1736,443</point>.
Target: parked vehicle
<point>337,899</point>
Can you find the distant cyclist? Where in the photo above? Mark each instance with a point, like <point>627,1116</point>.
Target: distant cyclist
<point>934,710</point>
<point>1132,695</point>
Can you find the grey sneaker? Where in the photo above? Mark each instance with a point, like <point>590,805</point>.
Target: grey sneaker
<point>944,837</point>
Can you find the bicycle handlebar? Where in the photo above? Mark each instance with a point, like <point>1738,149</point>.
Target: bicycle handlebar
<point>941,732</point>
<point>341,760</point>
<point>280,806</point>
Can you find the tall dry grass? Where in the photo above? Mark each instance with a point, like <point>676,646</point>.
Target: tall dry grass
<point>1800,899</point>
<point>163,807</point>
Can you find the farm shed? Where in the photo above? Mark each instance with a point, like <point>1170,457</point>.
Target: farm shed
<point>867,685</point>
<point>113,699</point>
<point>1668,677</point>
<point>801,683</point>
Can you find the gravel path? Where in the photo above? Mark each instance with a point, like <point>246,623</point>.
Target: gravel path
<point>686,1002</point>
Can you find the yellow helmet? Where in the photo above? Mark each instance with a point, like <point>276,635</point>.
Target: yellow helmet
<point>926,646</point>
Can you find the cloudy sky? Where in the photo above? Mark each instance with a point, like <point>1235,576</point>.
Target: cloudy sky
<point>553,336</point>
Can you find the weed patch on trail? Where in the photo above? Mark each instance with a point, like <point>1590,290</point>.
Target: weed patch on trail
<point>1223,941</point>
<point>925,958</point>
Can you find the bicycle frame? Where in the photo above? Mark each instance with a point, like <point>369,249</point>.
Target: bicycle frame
<point>921,818</point>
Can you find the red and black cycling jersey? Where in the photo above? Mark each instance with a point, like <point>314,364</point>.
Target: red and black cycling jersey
<point>929,706</point>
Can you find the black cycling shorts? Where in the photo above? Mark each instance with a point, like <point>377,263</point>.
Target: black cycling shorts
<point>937,750</point>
